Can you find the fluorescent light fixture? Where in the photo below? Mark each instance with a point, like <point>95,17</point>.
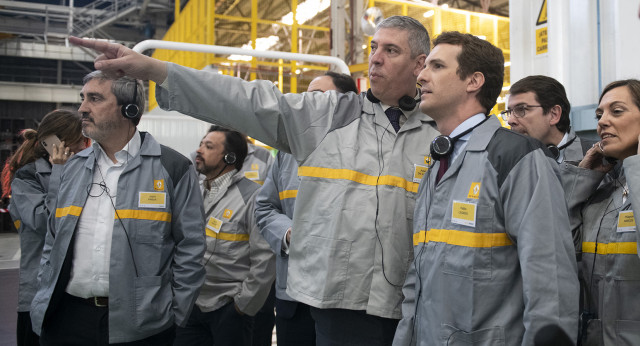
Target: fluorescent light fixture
<point>429,13</point>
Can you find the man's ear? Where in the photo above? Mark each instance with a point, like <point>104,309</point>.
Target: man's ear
<point>419,64</point>
<point>476,81</point>
<point>554,115</point>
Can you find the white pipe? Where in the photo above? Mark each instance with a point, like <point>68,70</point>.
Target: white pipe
<point>205,48</point>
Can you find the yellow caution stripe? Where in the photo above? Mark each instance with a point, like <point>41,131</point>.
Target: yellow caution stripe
<point>143,215</point>
<point>227,236</point>
<point>17,224</point>
<point>462,238</point>
<point>70,210</point>
<point>360,178</point>
<point>623,248</point>
<point>288,194</point>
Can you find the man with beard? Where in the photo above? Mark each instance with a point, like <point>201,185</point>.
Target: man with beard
<point>239,264</point>
<point>122,256</point>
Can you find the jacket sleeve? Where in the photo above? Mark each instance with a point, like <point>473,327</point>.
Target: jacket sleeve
<point>295,123</point>
<point>404,331</point>
<point>272,221</point>
<point>536,219</point>
<point>29,201</point>
<point>578,184</point>
<point>187,227</point>
<point>632,164</point>
<point>256,286</point>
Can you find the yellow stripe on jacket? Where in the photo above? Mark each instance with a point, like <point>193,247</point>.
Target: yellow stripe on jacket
<point>462,238</point>
<point>360,178</point>
<point>623,248</point>
<point>227,236</point>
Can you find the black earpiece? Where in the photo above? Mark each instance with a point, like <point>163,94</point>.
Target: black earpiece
<point>443,145</point>
<point>406,102</point>
<point>131,110</point>
<point>229,158</point>
<point>555,150</point>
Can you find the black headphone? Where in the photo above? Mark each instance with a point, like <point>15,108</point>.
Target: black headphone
<point>131,110</point>
<point>406,102</point>
<point>555,151</point>
<point>443,145</point>
<point>229,158</point>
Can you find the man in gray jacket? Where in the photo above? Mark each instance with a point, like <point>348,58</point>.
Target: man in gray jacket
<point>494,262</point>
<point>274,214</point>
<point>121,260</point>
<point>239,265</point>
<point>538,107</point>
<point>361,158</point>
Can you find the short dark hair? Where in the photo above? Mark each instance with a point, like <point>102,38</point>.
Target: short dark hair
<point>549,92</point>
<point>344,83</point>
<point>235,142</point>
<point>478,55</point>
<point>122,88</point>
<point>418,34</point>
<point>632,84</point>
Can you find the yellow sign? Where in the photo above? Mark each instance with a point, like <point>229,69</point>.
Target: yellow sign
<point>158,185</point>
<point>418,172</point>
<point>474,191</point>
<point>626,221</point>
<point>152,199</point>
<point>252,175</point>
<point>463,213</point>
<point>541,41</point>
<point>214,224</point>
<point>542,16</point>
<point>227,213</point>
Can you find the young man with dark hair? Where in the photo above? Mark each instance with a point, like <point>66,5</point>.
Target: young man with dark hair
<point>493,257</point>
<point>538,107</point>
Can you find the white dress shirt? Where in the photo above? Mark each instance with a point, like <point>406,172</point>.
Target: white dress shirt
<point>92,248</point>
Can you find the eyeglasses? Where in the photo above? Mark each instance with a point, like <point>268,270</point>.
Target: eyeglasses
<point>519,111</point>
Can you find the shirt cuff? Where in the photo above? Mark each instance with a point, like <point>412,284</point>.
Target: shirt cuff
<point>285,246</point>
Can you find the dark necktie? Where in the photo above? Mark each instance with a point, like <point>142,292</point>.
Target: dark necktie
<point>393,114</point>
<point>444,165</point>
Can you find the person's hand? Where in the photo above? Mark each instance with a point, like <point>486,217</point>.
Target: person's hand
<point>60,154</point>
<point>117,60</point>
<point>594,159</point>
<point>289,236</point>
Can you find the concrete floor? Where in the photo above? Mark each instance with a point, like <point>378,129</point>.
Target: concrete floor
<point>9,264</point>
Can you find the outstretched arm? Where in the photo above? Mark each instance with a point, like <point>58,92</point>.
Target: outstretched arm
<point>118,60</point>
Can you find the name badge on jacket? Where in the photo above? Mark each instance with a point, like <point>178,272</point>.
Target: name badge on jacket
<point>152,200</point>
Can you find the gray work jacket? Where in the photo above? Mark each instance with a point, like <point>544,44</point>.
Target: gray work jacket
<point>29,210</point>
<point>610,266</point>
<point>359,179</point>
<point>166,242</point>
<point>494,261</point>
<point>240,266</point>
<point>274,213</point>
<point>257,163</point>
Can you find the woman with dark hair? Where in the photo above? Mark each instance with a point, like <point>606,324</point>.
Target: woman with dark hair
<point>606,197</point>
<point>25,177</point>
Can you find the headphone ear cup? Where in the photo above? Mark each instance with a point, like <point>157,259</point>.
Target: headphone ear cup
<point>230,158</point>
<point>130,111</point>
<point>434,155</point>
<point>372,98</point>
<point>407,103</point>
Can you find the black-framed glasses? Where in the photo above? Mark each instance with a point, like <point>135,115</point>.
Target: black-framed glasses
<point>519,111</point>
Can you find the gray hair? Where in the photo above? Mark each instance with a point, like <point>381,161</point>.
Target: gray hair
<point>419,41</point>
<point>122,88</point>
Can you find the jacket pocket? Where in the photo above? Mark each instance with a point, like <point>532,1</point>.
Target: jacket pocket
<point>324,255</point>
<point>469,252</point>
<point>493,336</point>
<point>153,299</point>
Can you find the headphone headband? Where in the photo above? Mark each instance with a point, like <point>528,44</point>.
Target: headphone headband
<point>406,102</point>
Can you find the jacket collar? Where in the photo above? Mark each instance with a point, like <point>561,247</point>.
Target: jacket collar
<point>415,118</point>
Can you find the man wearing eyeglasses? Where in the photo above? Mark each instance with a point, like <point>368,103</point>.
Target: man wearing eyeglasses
<point>538,107</point>
<point>122,256</point>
